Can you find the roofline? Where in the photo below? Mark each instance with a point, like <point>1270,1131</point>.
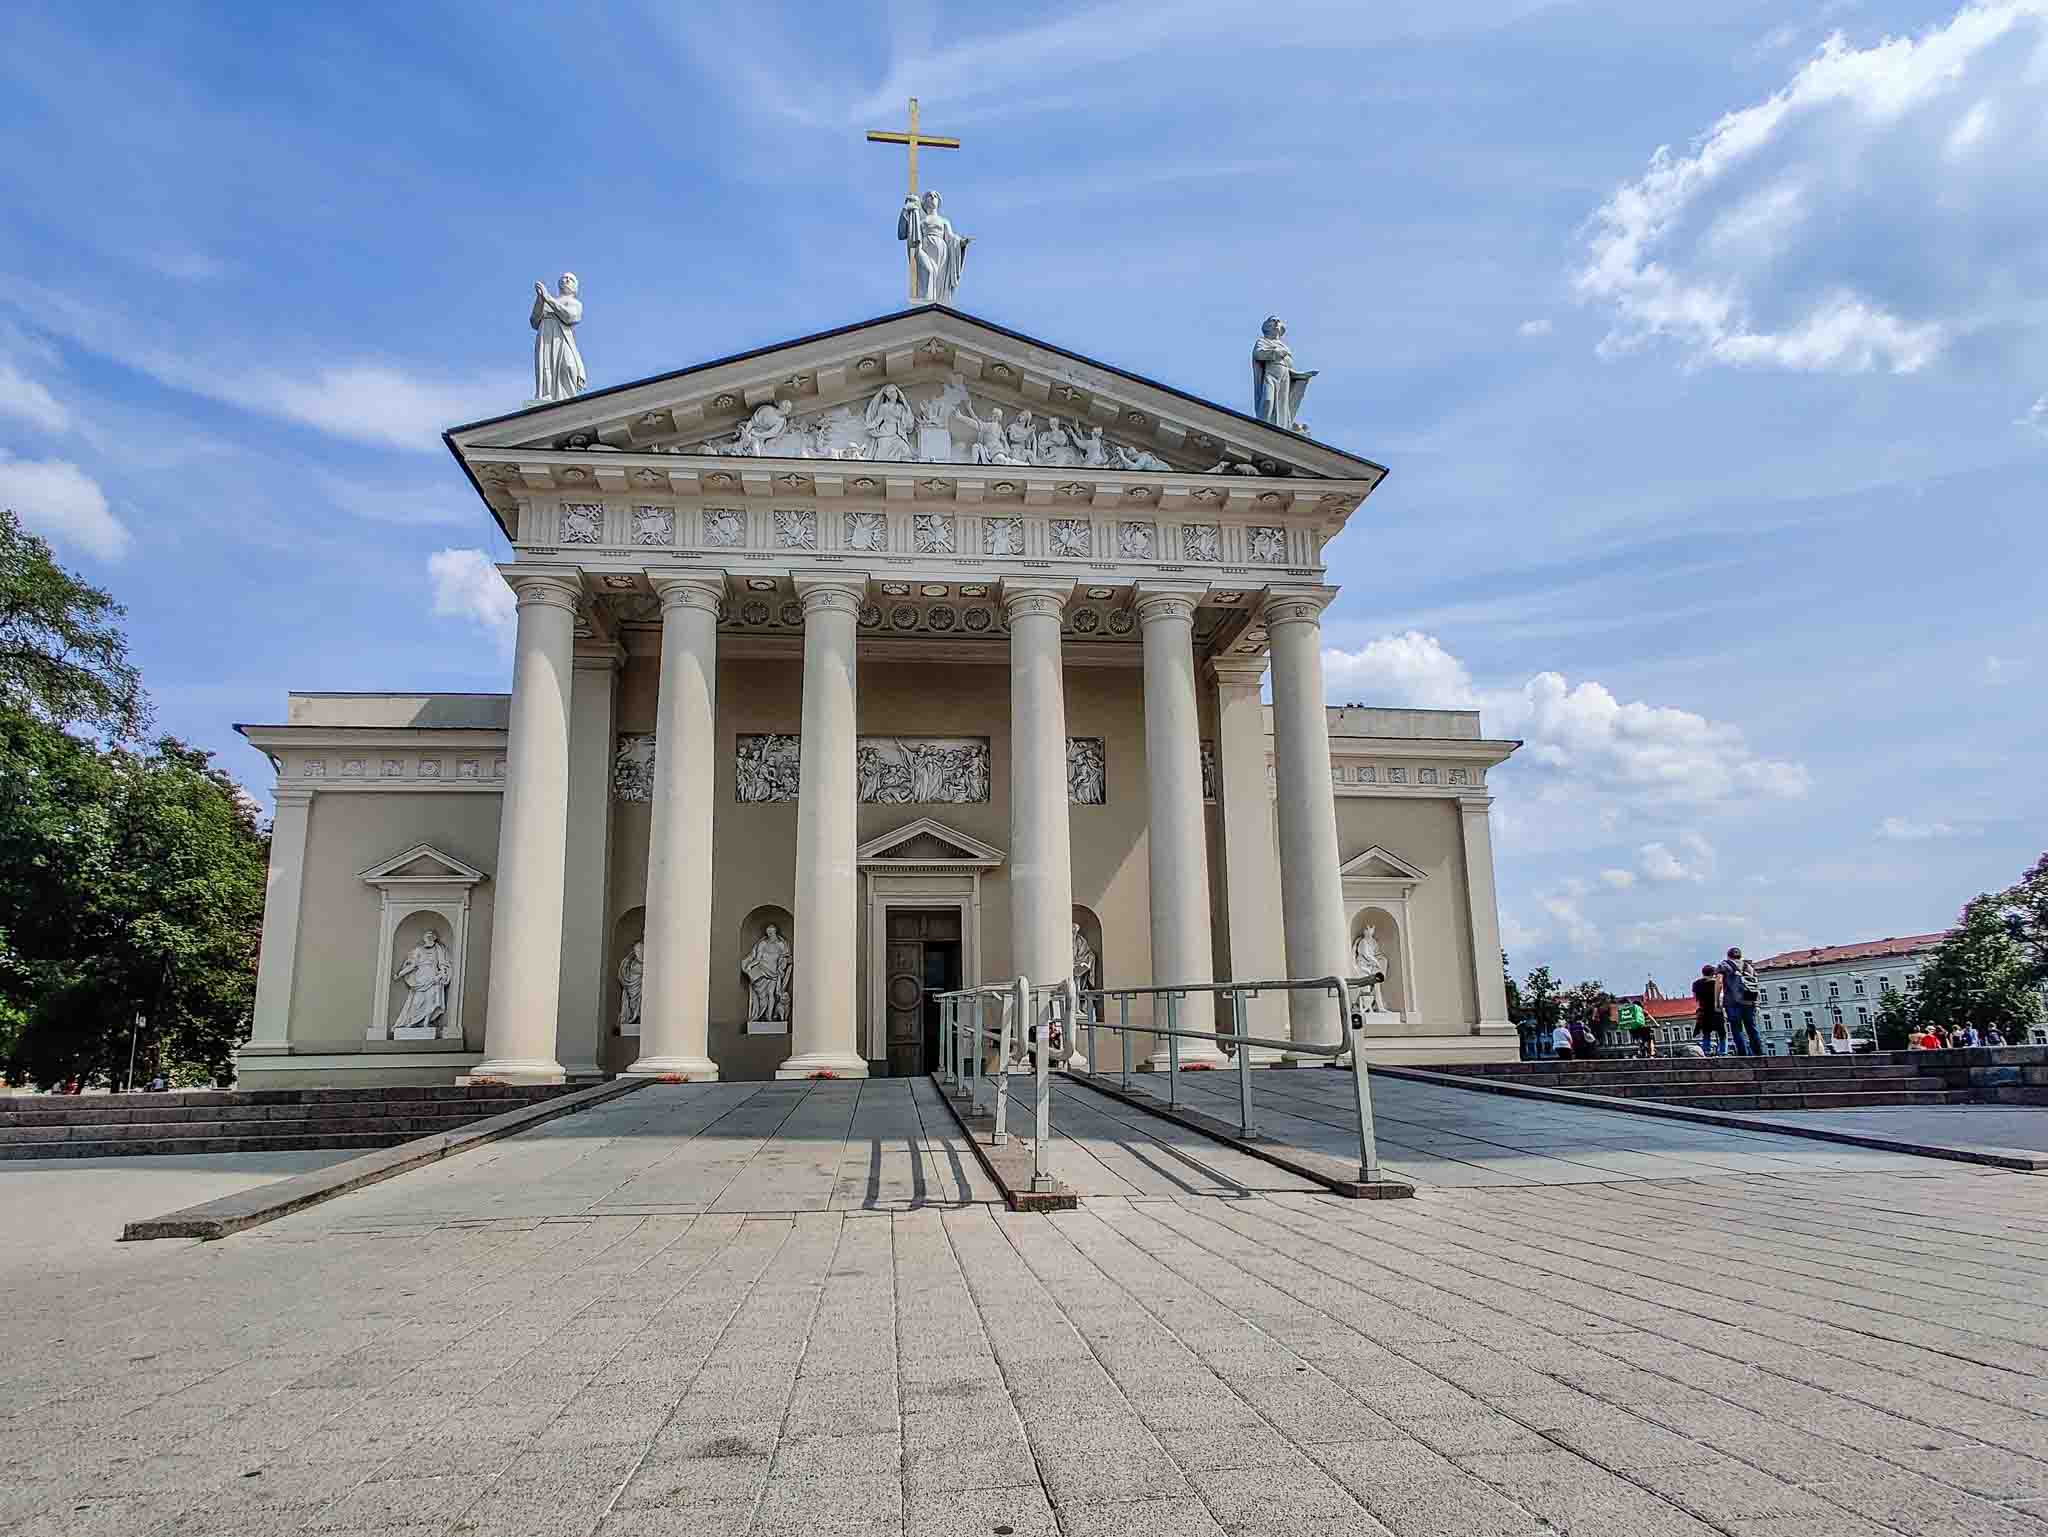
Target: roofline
<point>860,325</point>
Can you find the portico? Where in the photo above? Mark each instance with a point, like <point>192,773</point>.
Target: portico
<point>1022,688</point>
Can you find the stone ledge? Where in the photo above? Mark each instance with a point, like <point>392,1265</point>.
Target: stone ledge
<point>1010,1166</point>
<point>2022,1160</point>
<point>266,1203</point>
<point>1339,1179</point>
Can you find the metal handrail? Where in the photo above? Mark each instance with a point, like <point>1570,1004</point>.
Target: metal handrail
<point>961,1043</point>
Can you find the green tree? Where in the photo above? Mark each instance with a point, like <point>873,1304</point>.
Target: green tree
<point>1540,993</point>
<point>2024,907</point>
<point>1514,988</point>
<point>63,658</point>
<point>1895,1021</point>
<point>1980,974</point>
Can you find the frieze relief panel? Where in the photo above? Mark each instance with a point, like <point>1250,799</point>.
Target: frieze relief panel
<point>891,771</point>
<point>1087,771</point>
<point>633,768</point>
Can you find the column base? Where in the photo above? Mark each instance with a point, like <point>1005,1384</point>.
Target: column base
<point>690,1069</point>
<point>1203,1055</point>
<point>515,1070</point>
<point>838,1064</point>
<point>1265,1056</point>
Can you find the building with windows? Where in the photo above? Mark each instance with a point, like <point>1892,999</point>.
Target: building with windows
<point>1835,984</point>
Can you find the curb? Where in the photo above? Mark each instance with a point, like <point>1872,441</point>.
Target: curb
<point>266,1203</point>
<point>1010,1166</point>
<point>1382,1189</point>
<point>2018,1159</point>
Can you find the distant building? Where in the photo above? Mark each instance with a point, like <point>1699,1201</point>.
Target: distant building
<point>1671,1019</point>
<point>1836,984</point>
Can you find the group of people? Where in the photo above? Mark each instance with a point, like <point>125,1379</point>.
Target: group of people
<point>1725,997</point>
<point>1941,1038</point>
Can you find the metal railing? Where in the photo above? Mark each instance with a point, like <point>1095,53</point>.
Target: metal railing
<point>964,1028</point>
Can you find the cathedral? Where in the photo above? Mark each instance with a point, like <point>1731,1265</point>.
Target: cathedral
<point>913,654</point>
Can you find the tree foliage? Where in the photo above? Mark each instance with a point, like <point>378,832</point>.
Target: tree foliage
<point>63,658</point>
<point>1979,975</point>
<point>1540,993</point>
<point>2024,908</point>
<point>1514,988</point>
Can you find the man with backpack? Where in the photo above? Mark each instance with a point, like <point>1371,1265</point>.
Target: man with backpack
<point>1740,991</point>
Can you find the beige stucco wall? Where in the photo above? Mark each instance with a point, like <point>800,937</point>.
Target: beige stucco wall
<point>1426,833</point>
<point>338,914</point>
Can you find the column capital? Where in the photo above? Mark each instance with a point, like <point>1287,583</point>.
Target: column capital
<point>831,594</point>
<point>1238,671</point>
<point>553,586</point>
<point>1162,601</point>
<point>1295,605</point>
<point>292,795</point>
<point>1042,596</point>
<point>700,590</point>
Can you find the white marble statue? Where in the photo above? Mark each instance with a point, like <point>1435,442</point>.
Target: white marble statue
<point>890,422</point>
<point>937,252</point>
<point>769,422</point>
<point>557,365</point>
<point>1368,962</point>
<point>1136,458</point>
<point>1086,778</point>
<point>1084,961</point>
<point>1056,445</point>
<point>630,971</point>
<point>770,970</point>
<point>1093,450</point>
<point>1023,439</point>
<point>990,446</point>
<point>428,969</point>
<point>1277,385</point>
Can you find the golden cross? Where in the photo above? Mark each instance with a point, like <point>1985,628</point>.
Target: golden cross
<point>913,139</point>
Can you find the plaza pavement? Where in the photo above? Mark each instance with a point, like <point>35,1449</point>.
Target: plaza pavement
<point>521,1341</point>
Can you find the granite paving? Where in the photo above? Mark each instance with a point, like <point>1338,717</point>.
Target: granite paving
<point>537,1339</point>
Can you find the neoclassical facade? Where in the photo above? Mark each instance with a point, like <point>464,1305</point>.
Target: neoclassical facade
<point>907,655</point>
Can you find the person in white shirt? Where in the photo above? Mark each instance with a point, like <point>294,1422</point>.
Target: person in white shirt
<point>1561,1040</point>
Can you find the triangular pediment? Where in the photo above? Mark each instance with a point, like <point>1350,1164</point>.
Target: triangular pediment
<point>928,841</point>
<point>1377,863</point>
<point>423,864</point>
<point>955,372</point>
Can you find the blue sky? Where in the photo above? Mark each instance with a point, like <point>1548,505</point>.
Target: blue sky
<point>1708,346</point>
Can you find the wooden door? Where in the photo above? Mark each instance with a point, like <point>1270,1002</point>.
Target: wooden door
<point>920,957</point>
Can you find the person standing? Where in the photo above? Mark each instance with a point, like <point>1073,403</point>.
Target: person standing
<point>1706,999</point>
<point>1561,1041</point>
<point>1739,991</point>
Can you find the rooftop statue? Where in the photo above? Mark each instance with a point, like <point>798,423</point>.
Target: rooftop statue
<point>937,251</point>
<point>1277,385</point>
<point>557,365</point>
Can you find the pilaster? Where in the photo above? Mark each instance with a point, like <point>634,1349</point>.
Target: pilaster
<point>1488,986</point>
<point>270,1029</point>
<point>586,916</point>
<point>1251,860</point>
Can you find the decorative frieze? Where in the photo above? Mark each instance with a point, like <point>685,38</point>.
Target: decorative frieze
<point>1087,771</point>
<point>1201,541</point>
<point>933,533</point>
<point>582,523</point>
<point>633,768</point>
<point>891,771</point>
<point>1002,536</point>
<point>654,525</point>
<point>725,528</point>
<point>1071,537</point>
<point>1136,541</point>
<point>796,529</point>
<point>867,532</point>
<point>1267,546</point>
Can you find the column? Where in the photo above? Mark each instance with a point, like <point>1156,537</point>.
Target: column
<point>270,1029</point>
<point>526,931</point>
<point>675,984</point>
<point>1484,907</point>
<point>586,908</point>
<point>1311,891</point>
<point>825,1032</point>
<point>1176,838</point>
<point>1251,863</point>
<point>1041,858</point>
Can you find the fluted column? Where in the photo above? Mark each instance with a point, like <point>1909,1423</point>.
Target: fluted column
<point>825,1032</point>
<point>1311,890</point>
<point>675,991</point>
<point>526,927</point>
<point>1251,862</point>
<point>1176,838</point>
<point>1041,858</point>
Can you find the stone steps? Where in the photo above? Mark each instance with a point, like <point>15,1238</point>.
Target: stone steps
<point>273,1120</point>
<point>1747,1083</point>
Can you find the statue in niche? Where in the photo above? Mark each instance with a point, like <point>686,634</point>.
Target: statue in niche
<point>769,422</point>
<point>770,970</point>
<point>1368,962</point>
<point>1277,385</point>
<point>1023,440</point>
<point>1086,779</point>
<point>557,365</point>
<point>937,251</point>
<point>889,421</point>
<point>1056,445</point>
<point>630,972</point>
<point>428,969</point>
<point>1084,961</point>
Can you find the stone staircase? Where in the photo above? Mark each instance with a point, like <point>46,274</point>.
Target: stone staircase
<point>1743,1083</point>
<point>246,1121</point>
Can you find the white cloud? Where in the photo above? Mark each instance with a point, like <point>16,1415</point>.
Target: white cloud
<point>1620,880</point>
<point>1580,932</point>
<point>1901,830</point>
<point>2002,669</point>
<point>25,399</point>
<point>1660,864</point>
<point>426,502</point>
<point>467,586</point>
<point>2036,419</point>
<point>1516,935</point>
<point>1578,735</point>
<point>1760,244</point>
<point>1540,326</point>
<point>65,505</point>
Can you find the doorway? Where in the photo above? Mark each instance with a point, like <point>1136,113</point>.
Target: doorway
<point>922,959</point>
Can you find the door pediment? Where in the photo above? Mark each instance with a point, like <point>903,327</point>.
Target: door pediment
<point>927,844</point>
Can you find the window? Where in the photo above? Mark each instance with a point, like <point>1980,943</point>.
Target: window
<point>1912,977</point>
<point>1834,1016</point>
<point>1858,985</point>
<point>1809,1019</point>
<point>1834,989</point>
<point>1805,993</point>
<point>1884,984</point>
<point>1862,1015</point>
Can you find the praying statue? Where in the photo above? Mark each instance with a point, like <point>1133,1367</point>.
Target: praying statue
<point>1369,963</point>
<point>890,421</point>
<point>770,970</point>
<point>557,365</point>
<point>427,971</point>
<point>937,253</point>
<point>630,971</point>
<point>1277,385</point>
